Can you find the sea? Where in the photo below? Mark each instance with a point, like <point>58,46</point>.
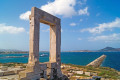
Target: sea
<point>78,58</point>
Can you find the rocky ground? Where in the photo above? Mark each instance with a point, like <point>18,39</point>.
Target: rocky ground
<point>87,72</point>
<point>9,71</point>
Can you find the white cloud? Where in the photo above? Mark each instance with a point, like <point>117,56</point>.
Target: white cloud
<point>83,11</point>
<point>25,16</point>
<point>103,27</point>
<point>60,7</point>
<point>79,38</point>
<point>66,8</point>
<point>72,24</point>
<point>107,38</point>
<point>10,29</point>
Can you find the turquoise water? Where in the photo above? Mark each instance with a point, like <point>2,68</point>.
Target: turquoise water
<point>79,58</point>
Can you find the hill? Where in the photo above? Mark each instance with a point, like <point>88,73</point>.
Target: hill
<point>106,49</point>
<point>109,49</point>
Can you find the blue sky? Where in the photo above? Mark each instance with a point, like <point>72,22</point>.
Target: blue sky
<point>86,24</point>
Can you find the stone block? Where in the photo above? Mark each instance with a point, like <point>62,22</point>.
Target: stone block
<point>70,74</point>
<point>88,73</point>
<point>17,71</point>
<point>49,71</point>
<point>94,74</point>
<point>59,70</point>
<point>50,76</point>
<point>59,75</point>
<point>22,74</point>
<point>43,79</point>
<point>34,77</point>
<point>102,78</point>
<point>8,73</point>
<point>51,65</point>
<point>29,74</point>
<point>1,73</point>
<point>43,66</point>
<point>45,74</point>
<point>4,68</point>
<point>62,67</point>
<point>79,72</point>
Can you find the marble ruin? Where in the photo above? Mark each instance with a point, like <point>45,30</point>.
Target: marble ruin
<point>47,70</point>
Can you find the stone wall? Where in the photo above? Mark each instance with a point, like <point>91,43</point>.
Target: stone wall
<point>97,62</point>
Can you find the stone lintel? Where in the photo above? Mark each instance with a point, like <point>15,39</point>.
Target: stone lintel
<point>44,17</point>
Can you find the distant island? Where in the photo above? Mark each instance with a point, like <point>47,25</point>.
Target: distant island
<point>109,49</point>
<point>106,49</point>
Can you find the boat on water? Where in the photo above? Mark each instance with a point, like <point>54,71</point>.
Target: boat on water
<point>42,55</point>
